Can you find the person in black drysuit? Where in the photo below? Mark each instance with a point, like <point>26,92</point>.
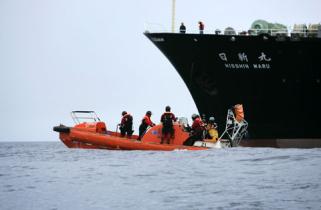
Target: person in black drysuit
<point>182,28</point>
<point>126,125</point>
<point>167,119</point>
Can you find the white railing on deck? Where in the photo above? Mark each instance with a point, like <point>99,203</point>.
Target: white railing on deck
<point>159,28</point>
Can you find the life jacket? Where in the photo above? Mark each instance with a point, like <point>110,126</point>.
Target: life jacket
<point>127,120</point>
<point>167,119</point>
<point>239,112</point>
<point>182,28</point>
<point>201,26</point>
<point>146,121</point>
<point>213,134</point>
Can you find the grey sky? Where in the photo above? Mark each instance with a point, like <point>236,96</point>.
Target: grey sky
<point>62,55</point>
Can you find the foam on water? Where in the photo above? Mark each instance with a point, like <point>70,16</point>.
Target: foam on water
<point>50,176</point>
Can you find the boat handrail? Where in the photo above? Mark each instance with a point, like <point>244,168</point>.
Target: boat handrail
<point>83,116</point>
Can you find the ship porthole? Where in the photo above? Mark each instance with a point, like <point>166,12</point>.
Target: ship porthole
<point>233,39</point>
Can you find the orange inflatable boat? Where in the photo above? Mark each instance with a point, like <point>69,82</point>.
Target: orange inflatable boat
<point>94,135</point>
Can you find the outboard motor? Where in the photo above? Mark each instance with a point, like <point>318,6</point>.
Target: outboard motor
<point>183,122</point>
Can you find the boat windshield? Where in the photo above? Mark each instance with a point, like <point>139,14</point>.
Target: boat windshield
<point>84,116</point>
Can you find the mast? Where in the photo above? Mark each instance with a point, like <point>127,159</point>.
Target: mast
<point>173,15</point>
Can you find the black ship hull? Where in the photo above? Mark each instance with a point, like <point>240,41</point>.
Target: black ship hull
<point>277,79</point>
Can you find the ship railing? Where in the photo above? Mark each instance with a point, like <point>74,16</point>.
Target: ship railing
<point>155,28</point>
<point>84,116</point>
<point>286,32</point>
<point>283,32</point>
<point>234,130</point>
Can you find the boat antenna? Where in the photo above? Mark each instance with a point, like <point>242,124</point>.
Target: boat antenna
<point>173,15</point>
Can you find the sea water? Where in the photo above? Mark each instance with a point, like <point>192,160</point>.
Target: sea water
<point>47,175</point>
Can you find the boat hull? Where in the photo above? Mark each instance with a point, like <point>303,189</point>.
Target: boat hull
<point>282,143</point>
<point>87,138</point>
<point>117,143</point>
<point>278,81</point>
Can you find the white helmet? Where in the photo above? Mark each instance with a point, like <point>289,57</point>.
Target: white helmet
<point>211,119</point>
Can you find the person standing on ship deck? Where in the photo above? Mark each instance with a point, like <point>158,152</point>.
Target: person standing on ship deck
<point>167,119</point>
<point>146,121</point>
<point>182,28</point>
<point>201,27</point>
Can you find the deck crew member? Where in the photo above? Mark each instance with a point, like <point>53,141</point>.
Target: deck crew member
<point>182,28</point>
<point>196,132</point>
<point>146,122</point>
<point>201,27</point>
<point>167,119</point>
<point>126,124</point>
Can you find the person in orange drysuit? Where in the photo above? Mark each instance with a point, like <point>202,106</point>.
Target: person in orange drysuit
<point>146,122</point>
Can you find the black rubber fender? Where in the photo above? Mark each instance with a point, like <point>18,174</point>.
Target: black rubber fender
<point>61,129</point>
